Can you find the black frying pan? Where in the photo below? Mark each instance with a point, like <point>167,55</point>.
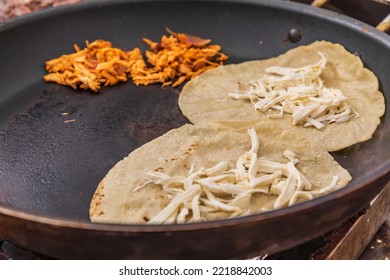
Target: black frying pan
<point>49,168</point>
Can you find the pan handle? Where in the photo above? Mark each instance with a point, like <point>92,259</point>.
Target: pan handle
<point>383,26</point>
<point>387,2</point>
<point>319,3</point>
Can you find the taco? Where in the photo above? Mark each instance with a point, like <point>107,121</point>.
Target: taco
<point>320,91</point>
<point>205,172</point>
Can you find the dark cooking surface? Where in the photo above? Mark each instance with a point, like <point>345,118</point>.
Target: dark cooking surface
<point>62,157</point>
<point>70,140</point>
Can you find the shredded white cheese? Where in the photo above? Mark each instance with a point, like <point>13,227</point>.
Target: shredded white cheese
<point>222,190</point>
<point>299,92</point>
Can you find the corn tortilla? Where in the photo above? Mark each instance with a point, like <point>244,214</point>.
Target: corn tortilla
<point>206,99</point>
<point>173,153</point>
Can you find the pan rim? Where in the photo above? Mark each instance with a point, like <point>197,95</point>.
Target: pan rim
<point>278,4</point>
<point>137,228</point>
<point>298,8</point>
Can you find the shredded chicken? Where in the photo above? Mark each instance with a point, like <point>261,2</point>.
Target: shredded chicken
<point>98,63</point>
<point>177,58</point>
<point>219,189</point>
<point>299,92</point>
<point>174,60</point>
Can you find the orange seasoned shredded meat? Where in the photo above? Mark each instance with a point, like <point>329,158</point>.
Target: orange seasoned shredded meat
<point>175,59</point>
<point>99,63</point>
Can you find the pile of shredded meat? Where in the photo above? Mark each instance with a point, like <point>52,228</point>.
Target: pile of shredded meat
<point>98,63</point>
<point>172,61</point>
<point>177,58</point>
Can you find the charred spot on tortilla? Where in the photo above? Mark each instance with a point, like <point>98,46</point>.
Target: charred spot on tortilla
<point>230,172</point>
<point>321,91</point>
